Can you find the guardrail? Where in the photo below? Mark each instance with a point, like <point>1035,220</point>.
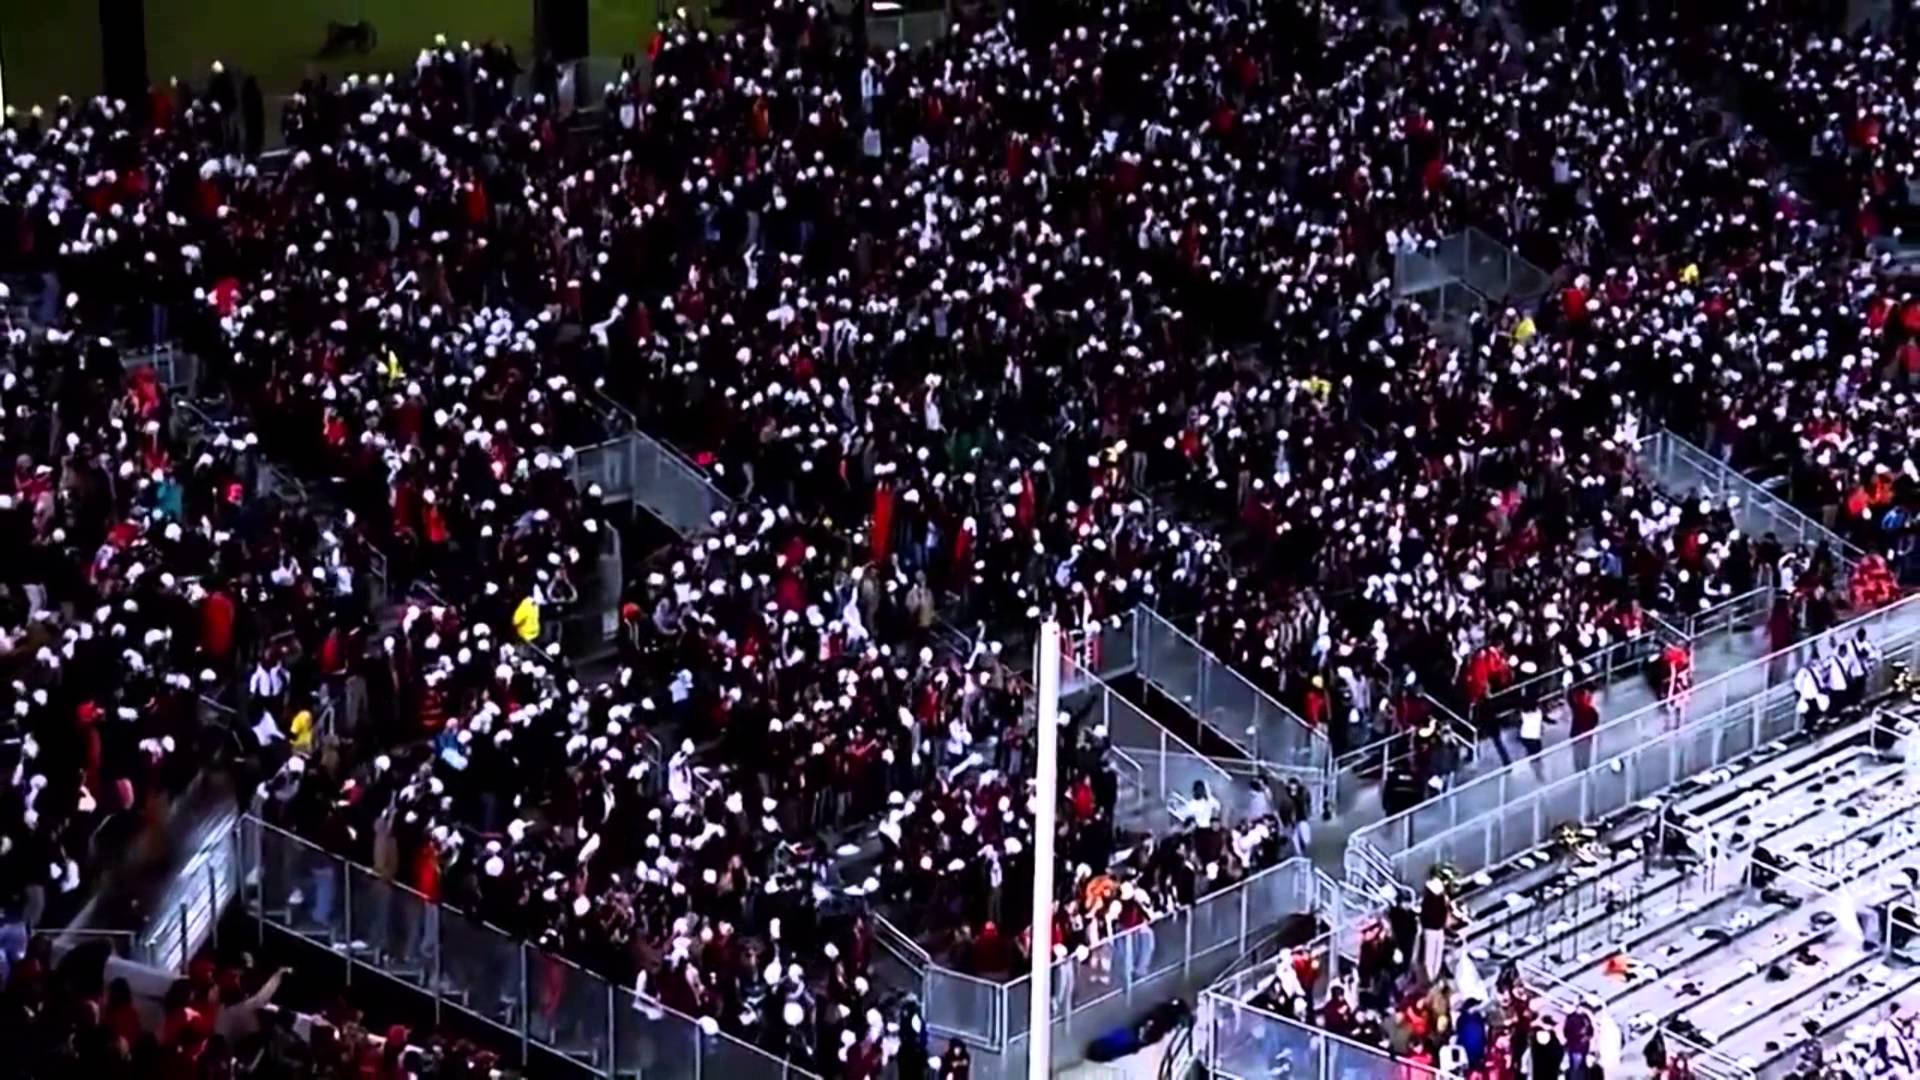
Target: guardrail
<point>1490,267</point>
<point>120,942</point>
<point>1249,1043</point>
<point>369,923</point>
<point>1747,611</point>
<point>1381,753</point>
<point>636,467</point>
<point>1168,766</point>
<point>1605,665</point>
<point>1502,813</point>
<point>1265,730</point>
<point>1624,659</point>
<point>1686,469</point>
<point>1172,955</point>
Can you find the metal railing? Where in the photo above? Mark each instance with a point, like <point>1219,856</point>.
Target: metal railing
<point>1625,659</point>
<point>636,467</point>
<point>175,368</point>
<point>1245,1042</point>
<point>120,942</point>
<point>1605,665</point>
<point>1500,814</point>
<point>1169,767</point>
<point>1245,715</point>
<point>373,925</point>
<point>1381,753</point>
<point>1684,468</point>
<point>188,915</point>
<point>1174,954</point>
<point>1747,611</point>
<point>1490,268</point>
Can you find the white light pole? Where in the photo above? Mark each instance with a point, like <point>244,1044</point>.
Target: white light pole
<point>1046,798</point>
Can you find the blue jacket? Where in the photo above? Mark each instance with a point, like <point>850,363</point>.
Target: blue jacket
<point>1472,1035</point>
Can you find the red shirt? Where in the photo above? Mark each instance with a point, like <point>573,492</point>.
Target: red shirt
<point>216,625</point>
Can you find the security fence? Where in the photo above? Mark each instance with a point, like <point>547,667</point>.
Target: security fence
<point>1500,814</point>
<point>1684,468</point>
<point>1116,980</point>
<point>1169,768</point>
<point>1378,756</point>
<point>375,926</point>
<point>188,914</point>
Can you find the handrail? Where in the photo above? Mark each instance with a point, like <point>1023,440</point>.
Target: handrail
<point>1601,660</point>
<point>1625,723</point>
<point>1095,683</point>
<point>1393,1065</point>
<point>1698,623</point>
<point>1714,475</point>
<point>1319,743</point>
<point>1457,726</point>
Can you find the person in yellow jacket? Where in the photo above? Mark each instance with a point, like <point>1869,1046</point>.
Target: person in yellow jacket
<point>1524,330</point>
<point>301,732</point>
<point>526,620</point>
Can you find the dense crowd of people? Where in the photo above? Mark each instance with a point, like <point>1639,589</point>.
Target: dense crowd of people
<point>1064,312</point>
<point>84,1012</point>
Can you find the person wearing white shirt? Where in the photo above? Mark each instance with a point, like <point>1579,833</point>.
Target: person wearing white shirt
<point>1201,811</point>
<point>1533,731</point>
<point>1813,700</point>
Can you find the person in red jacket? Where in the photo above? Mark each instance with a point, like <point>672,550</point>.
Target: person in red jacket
<point>216,626</point>
<point>1585,718</point>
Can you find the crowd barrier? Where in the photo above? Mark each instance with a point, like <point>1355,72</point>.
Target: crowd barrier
<point>1377,757</point>
<point>376,926</point>
<point>1500,814</point>
<point>1174,955</point>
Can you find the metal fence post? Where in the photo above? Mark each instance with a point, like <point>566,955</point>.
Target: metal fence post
<point>184,958</point>
<point>1243,919</point>
<point>346,908</point>
<point>258,869</point>
<point>432,915</point>
<point>1186,958</point>
<point>213,905</point>
<point>613,1044</point>
<point>526,1007</point>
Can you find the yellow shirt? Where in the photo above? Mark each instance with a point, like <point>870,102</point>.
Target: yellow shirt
<point>526,620</point>
<point>1524,330</point>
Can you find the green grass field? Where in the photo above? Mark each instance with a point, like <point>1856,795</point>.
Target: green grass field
<point>49,49</point>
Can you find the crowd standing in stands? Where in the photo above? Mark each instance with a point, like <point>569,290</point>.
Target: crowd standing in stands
<point>1055,316</point>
